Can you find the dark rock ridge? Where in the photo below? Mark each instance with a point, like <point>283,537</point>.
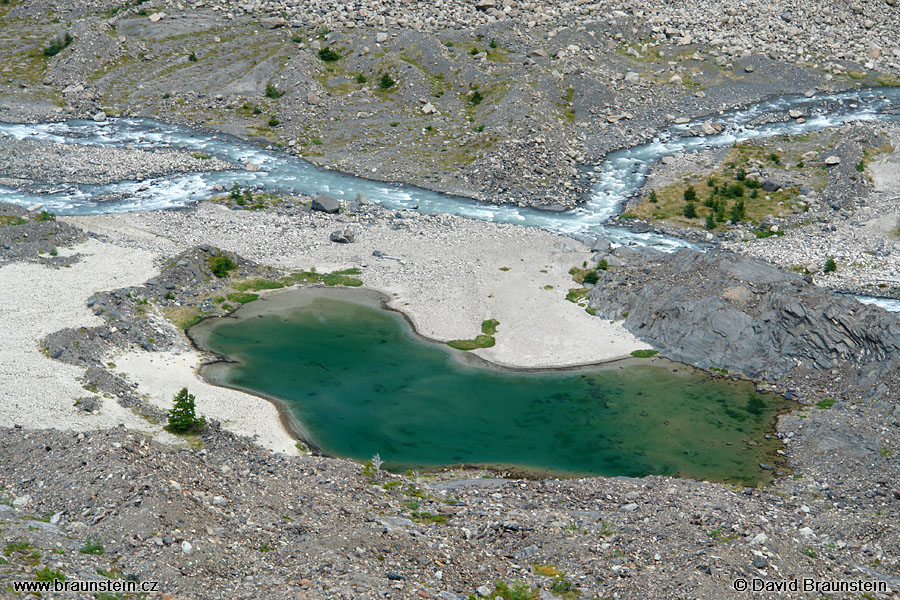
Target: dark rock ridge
<point>725,311</point>
<point>34,236</point>
<point>185,286</point>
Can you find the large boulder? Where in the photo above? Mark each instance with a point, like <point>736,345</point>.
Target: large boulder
<point>343,236</point>
<point>325,203</point>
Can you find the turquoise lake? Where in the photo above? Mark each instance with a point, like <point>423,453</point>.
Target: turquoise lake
<point>353,379</point>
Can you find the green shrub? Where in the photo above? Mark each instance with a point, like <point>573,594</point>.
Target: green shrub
<point>326,54</point>
<point>591,277</point>
<point>183,416</point>
<point>48,574</point>
<point>830,265</point>
<point>690,194</point>
<point>738,212</point>
<point>690,211</point>
<point>386,82</point>
<point>476,98</point>
<point>273,92</point>
<point>361,79</point>
<point>644,353</point>
<point>92,547</point>
<point>734,190</point>
<point>653,197</point>
<point>741,174</point>
<point>273,121</point>
<point>825,403</point>
<point>57,45</point>
<point>192,57</point>
<point>221,265</point>
<point>561,585</point>
<point>710,221</point>
<point>602,265</point>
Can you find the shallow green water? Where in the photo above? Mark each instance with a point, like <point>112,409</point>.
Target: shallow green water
<point>360,382</point>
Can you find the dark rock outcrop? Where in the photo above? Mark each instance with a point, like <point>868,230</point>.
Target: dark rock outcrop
<point>726,311</point>
<point>326,203</point>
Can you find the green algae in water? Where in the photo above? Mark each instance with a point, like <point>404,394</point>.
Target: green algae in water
<point>361,382</point>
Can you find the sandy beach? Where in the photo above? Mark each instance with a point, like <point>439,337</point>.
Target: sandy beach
<point>447,274</point>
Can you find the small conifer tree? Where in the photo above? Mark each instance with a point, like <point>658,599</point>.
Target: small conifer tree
<point>183,416</point>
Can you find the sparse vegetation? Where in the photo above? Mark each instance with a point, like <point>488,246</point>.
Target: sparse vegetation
<point>57,45</point>
<point>344,277</point>
<point>221,265</point>
<point>830,265</point>
<point>326,54</point>
<point>386,82</point>
<point>273,92</point>
<point>92,547</point>
<point>825,403</point>
<point>644,353</point>
<point>48,574</point>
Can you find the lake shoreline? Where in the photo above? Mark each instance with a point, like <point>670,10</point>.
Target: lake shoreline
<point>279,302</point>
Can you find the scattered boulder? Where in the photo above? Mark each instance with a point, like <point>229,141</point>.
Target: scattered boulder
<point>325,203</point>
<point>831,161</point>
<point>343,236</point>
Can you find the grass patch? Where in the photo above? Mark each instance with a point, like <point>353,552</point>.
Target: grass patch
<point>517,592</point>
<point>256,284</point>
<point>481,341</point>
<point>344,277</point>
<point>546,570</point>
<point>576,295</point>
<point>242,297</point>
<point>727,193</point>
<point>489,327</point>
<point>11,221</point>
<point>45,216</point>
<point>825,403</point>
<point>427,517</point>
<point>48,574</point>
<point>181,316</point>
<point>644,353</point>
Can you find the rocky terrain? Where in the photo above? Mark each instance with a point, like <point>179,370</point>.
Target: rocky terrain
<point>725,311</point>
<point>228,520</point>
<point>505,101</point>
<point>499,100</point>
<point>51,164</point>
<point>260,524</point>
